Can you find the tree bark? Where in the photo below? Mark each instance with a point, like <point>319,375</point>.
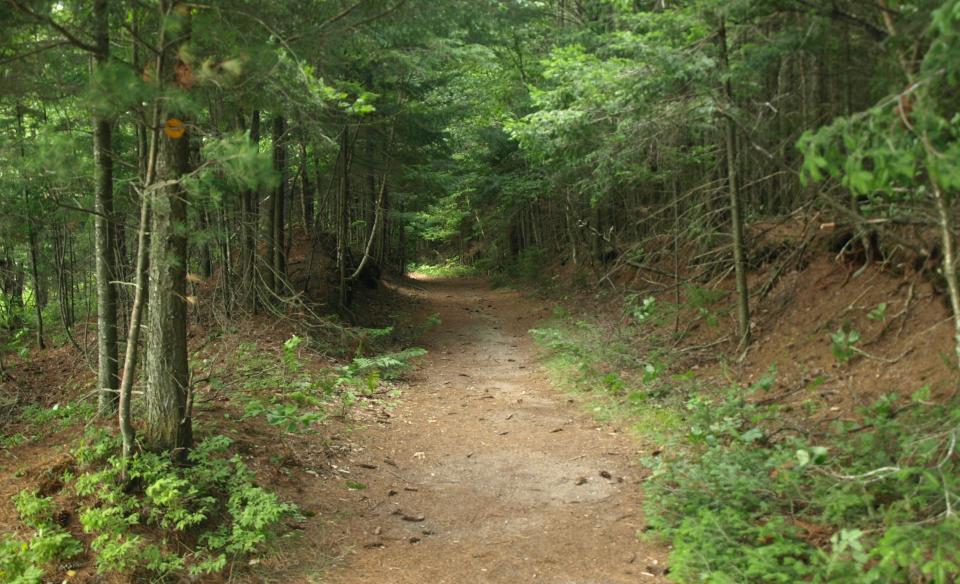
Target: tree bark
<point>37,294</point>
<point>278,247</point>
<point>343,215</point>
<point>133,335</point>
<point>248,229</point>
<point>169,426</point>
<point>306,189</point>
<point>104,227</point>
<point>736,214</point>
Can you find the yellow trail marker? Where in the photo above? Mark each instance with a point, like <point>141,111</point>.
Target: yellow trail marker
<point>174,128</point>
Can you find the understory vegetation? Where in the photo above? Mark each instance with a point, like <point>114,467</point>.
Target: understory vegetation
<point>151,518</point>
<point>174,173</point>
<point>208,514</point>
<point>744,492</point>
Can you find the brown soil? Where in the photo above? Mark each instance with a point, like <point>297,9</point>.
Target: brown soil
<point>486,473</point>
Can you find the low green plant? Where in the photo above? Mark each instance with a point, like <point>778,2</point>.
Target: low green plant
<point>213,499</point>
<point>286,415</point>
<point>291,360</point>
<point>24,562</point>
<point>525,267</point>
<point>33,510</point>
<point>297,399</point>
<point>386,365</point>
<point>15,343</point>
<point>842,344</point>
<point>744,502</point>
<point>879,313</point>
<point>12,441</point>
<point>640,310</point>
<point>702,300</point>
<point>57,416</point>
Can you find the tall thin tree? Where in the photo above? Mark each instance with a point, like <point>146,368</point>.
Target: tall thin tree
<point>107,370</point>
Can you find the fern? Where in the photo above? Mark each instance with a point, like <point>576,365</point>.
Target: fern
<point>389,365</point>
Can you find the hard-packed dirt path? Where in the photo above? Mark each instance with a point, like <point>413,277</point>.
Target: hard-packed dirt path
<point>486,473</point>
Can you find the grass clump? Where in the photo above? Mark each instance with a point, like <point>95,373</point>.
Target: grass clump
<point>603,365</point>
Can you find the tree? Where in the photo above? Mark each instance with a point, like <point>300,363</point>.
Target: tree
<point>168,419</point>
<point>107,273</point>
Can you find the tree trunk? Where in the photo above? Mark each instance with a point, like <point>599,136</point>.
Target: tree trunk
<point>37,295</point>
<point>226,259</point>
<point>107,380</point>
<point>206,254</point>
<point>736,216</point>
<point>133,335</point>
<point>278,249</point>
<point>306,189</point>
<point>169,426</point>
<point>949,262</point>
<point>343,215</point>
<point>248,230</point>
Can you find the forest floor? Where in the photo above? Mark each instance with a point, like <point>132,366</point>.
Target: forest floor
<point>485,472</point>
<point>474,466</point>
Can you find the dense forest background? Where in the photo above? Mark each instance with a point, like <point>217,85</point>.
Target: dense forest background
<point>167,167</point>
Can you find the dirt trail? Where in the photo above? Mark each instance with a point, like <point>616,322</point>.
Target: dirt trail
<point>485,472</point>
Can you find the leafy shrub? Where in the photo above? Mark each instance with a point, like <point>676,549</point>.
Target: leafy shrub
<point>741,506</point>
<point>842,345</point>
<point>298,398</point>
<point>213,498</point>
<point>23,562</point>
<point>640,310</point>
<point>527,265</point>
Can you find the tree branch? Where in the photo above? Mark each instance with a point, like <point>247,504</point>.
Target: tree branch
<point>343,14</point>
<point>71,37</point>
<point>386,12</point>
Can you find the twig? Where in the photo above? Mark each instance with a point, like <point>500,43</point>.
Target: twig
<point>863,353</point>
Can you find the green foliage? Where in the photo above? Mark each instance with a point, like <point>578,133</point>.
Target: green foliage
<point>298,399</point>
<point>525,268</point>
<point>12,440</point>
<point>214,499</point>
<point>449,268</point>
<point>14,343</point>
<point>742,507</point>
<point>290,358</point>
<point>744,497</point>
<point>703,300</point>
<point>285,415</point>
<point>24,562</point>
<point>387,365</point>
<point>879,313</point>
<point>640,310</point>
<point>605,366</point>
<point>842,344</point>
<point>33,510</point>
<point>57,416</point>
